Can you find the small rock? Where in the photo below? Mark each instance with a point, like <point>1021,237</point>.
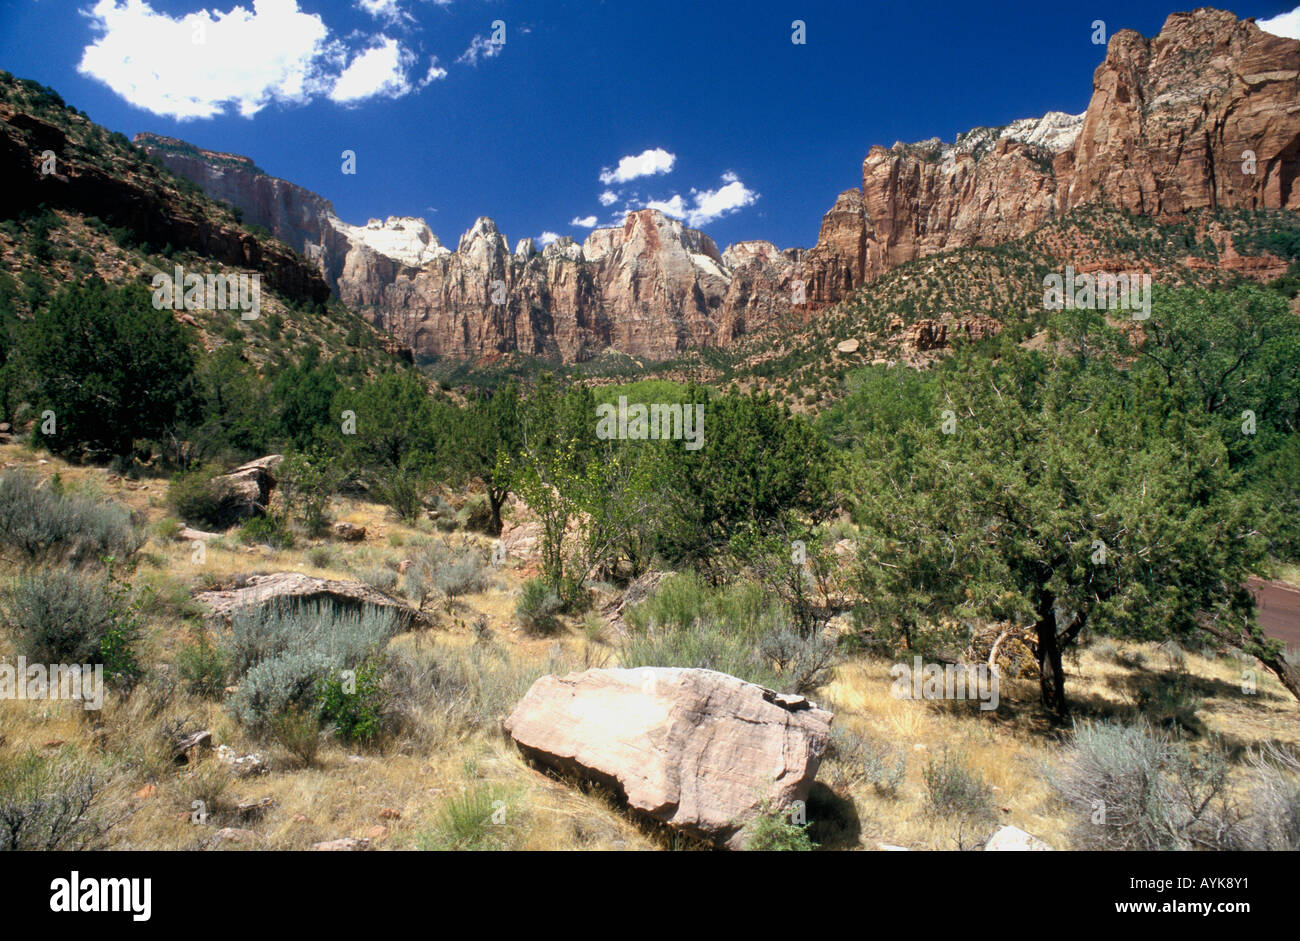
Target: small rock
<point>54,743</point>
<point>299,818</point>
<point>345,844</point>
<point>376,833</point>
<point>1013,839</point>
<point>192,535</point>
<point>241,765</point>
<point>389,813</point>
<point>235,835</point>
<point>891,848</point>
<point>847,346</point>
<point>255,809</point>
<point>146,792</point>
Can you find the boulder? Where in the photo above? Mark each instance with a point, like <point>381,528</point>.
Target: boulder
<point>297,588</point>
<point>699,750</point>
<point>847,346</point>
<point>349,532</point>
<point>246,491</point>
<point>1013,839</point>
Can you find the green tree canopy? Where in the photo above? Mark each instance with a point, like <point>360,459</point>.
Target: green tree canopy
<point>110,367</point>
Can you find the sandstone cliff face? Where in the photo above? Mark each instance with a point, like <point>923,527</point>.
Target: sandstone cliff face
<point>651,288</point>
<point>1167,130</point>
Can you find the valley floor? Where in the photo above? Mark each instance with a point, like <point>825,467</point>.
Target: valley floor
<point>409,793</point>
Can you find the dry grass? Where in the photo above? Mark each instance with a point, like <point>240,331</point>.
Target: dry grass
<point>351,792</point>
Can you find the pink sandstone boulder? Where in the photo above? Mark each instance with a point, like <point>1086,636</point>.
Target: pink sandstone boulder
<point>696,749</point>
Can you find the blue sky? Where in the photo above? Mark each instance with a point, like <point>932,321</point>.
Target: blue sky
<point>707,109</point>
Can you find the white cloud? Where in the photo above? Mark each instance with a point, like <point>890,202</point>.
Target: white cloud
<point>197,65</point>
<point>1284,24</point>
<point>646,163</point>
<point>714,204</point>
<point>381,70</point>
<point>586,222</point>
<point>707,205</point>
<point>390,11</point>
<point>480,47</point>
<point>546,238</point>
<point>675,207</point>
<point>608,198</point>
<point>435,73</point>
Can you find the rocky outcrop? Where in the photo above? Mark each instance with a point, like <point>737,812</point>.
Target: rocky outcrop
<point>1171,126</point>
<point>246,491</point>
<point>1172,118</point>
<point>698,750</point>
<point>295,588</point>
<point>131,196</point>
<point>651,288</point>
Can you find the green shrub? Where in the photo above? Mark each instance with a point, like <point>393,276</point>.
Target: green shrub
<point>322,557</point>
<point>46,525</point>
<point>284,653</point>
<point>403,488</point>
<point>270,530</point>
<point>354,704</point>
<point>49,803</point>
<point>448,573</point>
<point>704,645</point>
<point>537,607</point>
<point>202,667</point>
<point>775,831</point>
<point>62,616</point>
<point>193,498</point>
<point>954,789</point>
<point>465,822</point>
<point>384,579</point>
<point>1133,787</point>
<point>297,730</point>
<point>852,759</point>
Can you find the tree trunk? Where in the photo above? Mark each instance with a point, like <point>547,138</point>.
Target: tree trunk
<point>1051,682</point>
<point>1285,674</point>
<point>496,499</point>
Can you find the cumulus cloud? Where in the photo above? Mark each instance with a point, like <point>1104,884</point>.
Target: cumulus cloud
<point>381,70</point>
<point>1284,24</point>
<point>546,238</point>
<point>198,65</point>
<point>480,47</point>
<point>390,11</point>
<point>707,206</point>
<point>585,222</point>
<point>608,198</point>
<point>646,163</point>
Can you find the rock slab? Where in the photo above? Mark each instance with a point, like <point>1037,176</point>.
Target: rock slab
<point>297,588</point>
<point>696,749</point>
